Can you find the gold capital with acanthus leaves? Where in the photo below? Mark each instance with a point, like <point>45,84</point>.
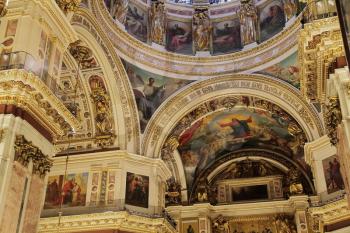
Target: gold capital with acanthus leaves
<point>25,152</point>
<point>68,5</point>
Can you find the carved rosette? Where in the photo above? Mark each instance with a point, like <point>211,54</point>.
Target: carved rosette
<point>68,5</point>
<point>25,152</point>
<point>332,118</point>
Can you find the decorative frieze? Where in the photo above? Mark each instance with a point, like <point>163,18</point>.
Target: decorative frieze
<point>25,152</point>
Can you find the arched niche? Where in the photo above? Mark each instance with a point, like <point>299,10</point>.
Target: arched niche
<point>124,112</point>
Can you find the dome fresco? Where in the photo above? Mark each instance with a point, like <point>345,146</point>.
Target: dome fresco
<point>204,29</point>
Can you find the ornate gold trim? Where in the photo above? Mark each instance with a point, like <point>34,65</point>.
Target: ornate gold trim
<point>24,89</point>
<point>122,221</point>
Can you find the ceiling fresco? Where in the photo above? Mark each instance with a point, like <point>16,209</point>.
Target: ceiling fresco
<point>286,70</point>
<point>250,23</point>
<point>150,90</point>
<point>249,122</point>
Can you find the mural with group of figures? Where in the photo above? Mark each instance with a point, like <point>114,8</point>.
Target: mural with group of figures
<point>286,70</point>
<point>220,35</point>
<point>250,123</point>
<point>150,90</point>
<point>71,190</point>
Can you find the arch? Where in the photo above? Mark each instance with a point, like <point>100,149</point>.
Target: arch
<point>184,101</point>
<point>122,99</point>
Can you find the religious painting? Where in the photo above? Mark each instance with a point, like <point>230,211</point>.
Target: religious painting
<point>70,191</point>
<point>249,193</point>
<point>331,170</point>
<point>136,22</point>
<point>226,36</point>
<point>11,27</point>
<point>272,19</point>
<point>137,190</point>
<point>190,226</point>
<point>150,90</point>
<point>251,122</point>
<point>343,8</point>
<point>179,37</point>
<point>118,9</point>
<point>286,70</point>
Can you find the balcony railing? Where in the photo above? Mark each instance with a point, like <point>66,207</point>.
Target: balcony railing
<point>25,61</point>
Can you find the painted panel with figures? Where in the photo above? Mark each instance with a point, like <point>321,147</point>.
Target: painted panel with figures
<point>71,191</point>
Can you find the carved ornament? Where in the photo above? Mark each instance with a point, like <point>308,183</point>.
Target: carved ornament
<point>25,152</point>
<point>68,5</point>
<point>332,118</point>
<point>24,89</point>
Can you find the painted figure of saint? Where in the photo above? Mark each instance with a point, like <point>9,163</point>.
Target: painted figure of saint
<point>201,31</point>
<point>178,37</point>
<point>119,9</point>
<point>190,229</point>
<point>157,20</point>
<point>248,18</point>
<point>240,127</point>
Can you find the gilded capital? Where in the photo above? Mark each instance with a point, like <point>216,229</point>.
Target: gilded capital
<point>25,152</point>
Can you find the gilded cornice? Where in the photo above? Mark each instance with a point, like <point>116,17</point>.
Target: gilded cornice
<point>164,120</point>
<point>320,42</point>
<point>331,213</point>
<point>26,90</point>
<point>123,84</point>
<point>122,221</point>
<point>144,54</point>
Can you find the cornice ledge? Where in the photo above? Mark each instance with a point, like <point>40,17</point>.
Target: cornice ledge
<point>332,212</point>
<point>32,86</point>
<point>314,145</point>
<point>108,220</point>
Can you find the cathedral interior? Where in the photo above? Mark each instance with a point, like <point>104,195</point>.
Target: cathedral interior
<point>174,116</point>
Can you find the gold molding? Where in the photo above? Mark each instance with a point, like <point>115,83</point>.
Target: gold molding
<point>122,221</point>
<point>24,89</point>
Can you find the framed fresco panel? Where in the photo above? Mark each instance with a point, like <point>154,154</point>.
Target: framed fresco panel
<point>271,19</point>
<point>137,191</point>
<point>71,191</point>
<point>334,180</point>
<point>179,37</point>
<point>226,36</point>
<point>343,8</point>
<point>189,226</point>
<point>136,22</point>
